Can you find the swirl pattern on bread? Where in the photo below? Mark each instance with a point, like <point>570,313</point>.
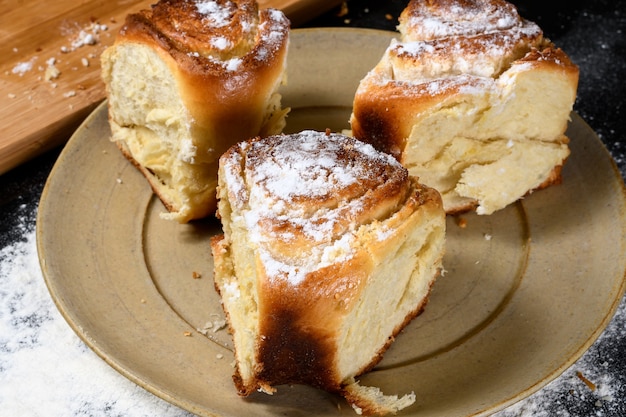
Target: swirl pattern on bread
<point>185,80</point>
<point>322,236</point>
<point>473,100</point>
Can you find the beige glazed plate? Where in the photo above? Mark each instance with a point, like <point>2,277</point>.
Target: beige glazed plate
<point>527,290</point>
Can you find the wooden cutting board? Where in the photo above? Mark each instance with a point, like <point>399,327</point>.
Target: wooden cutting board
<point>50,69</point>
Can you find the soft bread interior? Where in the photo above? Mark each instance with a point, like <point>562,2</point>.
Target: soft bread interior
<point>413,252</point>
<point>152,126</point>
<point>236,282</point>
<point>372,401</point>
<point>494,145</point>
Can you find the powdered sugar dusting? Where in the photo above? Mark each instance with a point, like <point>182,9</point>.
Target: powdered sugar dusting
<point>22,67</point>
<point>450,19</point>
<point>311,167</point>
<point>216,15</point>
<point>236,33</point>
<point>478,38</point>
<point>221,43</point>
<point>294,176</point>
<point>288,191</point>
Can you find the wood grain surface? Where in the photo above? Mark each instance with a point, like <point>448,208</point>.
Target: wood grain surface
<point>50,67</point>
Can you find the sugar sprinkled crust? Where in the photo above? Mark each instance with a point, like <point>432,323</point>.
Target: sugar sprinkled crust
<point>427,20</point>
<point>335,177</point>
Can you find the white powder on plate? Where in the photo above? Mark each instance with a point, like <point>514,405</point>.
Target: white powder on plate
<point>45,369</point>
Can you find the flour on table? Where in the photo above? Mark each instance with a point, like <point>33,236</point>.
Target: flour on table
<point>45,369</point>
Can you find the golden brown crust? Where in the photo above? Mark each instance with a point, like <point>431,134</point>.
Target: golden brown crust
<point>456,17</point>
<point>380,188</point>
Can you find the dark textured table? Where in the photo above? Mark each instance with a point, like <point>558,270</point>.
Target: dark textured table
<point>46,370</point>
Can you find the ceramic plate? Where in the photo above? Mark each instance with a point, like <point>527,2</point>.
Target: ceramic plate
<point>527,289</point>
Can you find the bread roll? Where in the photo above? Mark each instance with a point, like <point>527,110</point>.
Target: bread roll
<point>473,100</point>
<point>185,80</point>
<point>323,236</point>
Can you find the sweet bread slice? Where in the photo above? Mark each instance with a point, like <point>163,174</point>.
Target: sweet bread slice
<point>323,237</point>
<point>473,100</point>
<point>187,79</point>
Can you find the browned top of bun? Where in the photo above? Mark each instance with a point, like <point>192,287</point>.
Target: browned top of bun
<point>319,187</point>
<point>448,48</point>
<point>233,39</point>
<point>435,19</point>
<point>222,29</point>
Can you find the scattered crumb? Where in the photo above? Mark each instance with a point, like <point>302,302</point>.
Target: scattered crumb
<point>52,73</point>
<point>214,326</point>
<point>85,62</point>
<point>69,94</point>
<point>11,95</point>
<point>84,38</point>
<point>487,236</point>
<point>587,382</point>
<point>343,10</point>
<point>219,325</point>
<point>219,356</point>
<point>187,334</point>
<point>388,16</point>
<point>119,180</point>
<point>461,222</point>
<point>143,301</point>
<point>196,275</point>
